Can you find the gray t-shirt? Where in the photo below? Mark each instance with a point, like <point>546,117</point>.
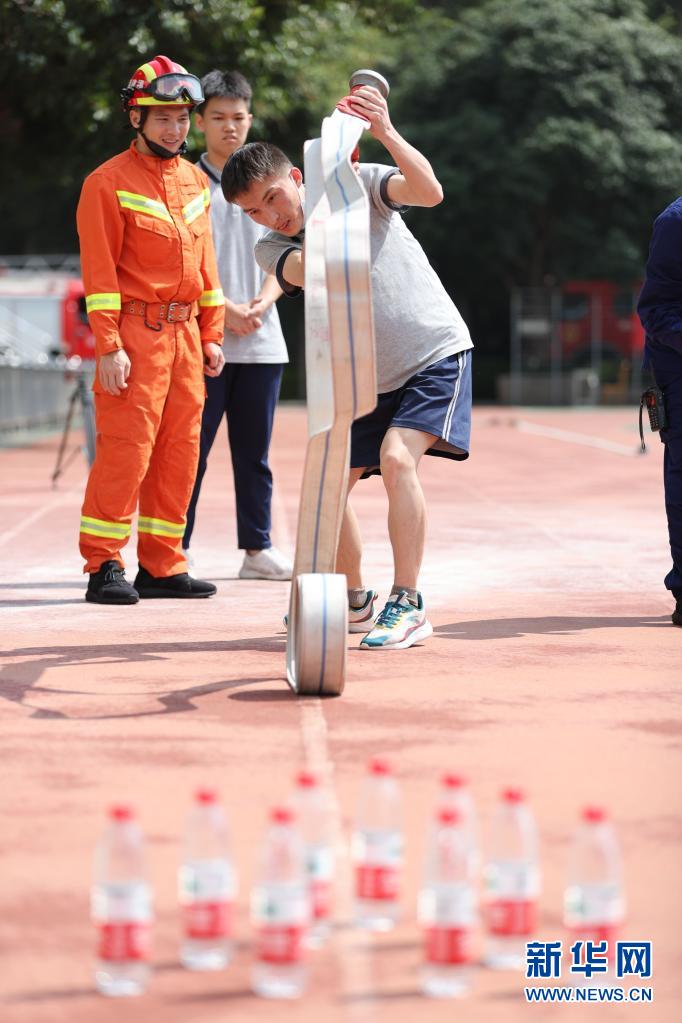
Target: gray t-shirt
<point>416,323</point>
<point>234,237</point>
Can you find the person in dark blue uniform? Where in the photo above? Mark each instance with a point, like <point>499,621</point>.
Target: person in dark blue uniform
<point>660,310</point>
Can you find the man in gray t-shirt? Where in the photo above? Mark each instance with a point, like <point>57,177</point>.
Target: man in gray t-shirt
<point>422,352</point>
<point>255,353</point>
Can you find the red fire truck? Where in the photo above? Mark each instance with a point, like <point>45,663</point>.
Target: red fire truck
<point>599,313</point>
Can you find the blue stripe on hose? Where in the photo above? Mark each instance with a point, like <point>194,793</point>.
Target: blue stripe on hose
<point>347,270</point>
<point>352,353</point>
<point>319,501</point>
<point>320,687</point>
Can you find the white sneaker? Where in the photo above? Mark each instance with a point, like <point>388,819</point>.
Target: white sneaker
<point>399,625</point>
<point>266,564</point>
<point>361,619</point>
<point>190,561</point>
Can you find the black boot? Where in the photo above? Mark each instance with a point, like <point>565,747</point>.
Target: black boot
<point>181,585</point>
<point>109,586</point>
<point>677,614</point>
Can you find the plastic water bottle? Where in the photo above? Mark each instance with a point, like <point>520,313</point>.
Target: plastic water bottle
<point>377,849</point>
<point>280,911</point>
<point>207,886</point>
<point>447,908</point>
<point>454,794</point>
<point>312,810</point>
<point>121,907</point>
<point>594,899</point>
<point>511,882</point>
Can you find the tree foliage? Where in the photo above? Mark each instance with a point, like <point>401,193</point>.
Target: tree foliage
<point>556,130</point>
<point>65,62</point>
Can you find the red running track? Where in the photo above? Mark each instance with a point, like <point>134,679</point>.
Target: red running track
<point>552,666</point>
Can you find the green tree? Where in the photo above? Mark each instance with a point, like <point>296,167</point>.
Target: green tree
<point>556,130</point>
<point>65,61</point>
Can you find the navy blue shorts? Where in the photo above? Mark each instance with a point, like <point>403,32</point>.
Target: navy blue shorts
<point>437,400</point>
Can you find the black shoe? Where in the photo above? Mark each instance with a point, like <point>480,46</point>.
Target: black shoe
<point>109,586</point>
<point>182,585</point>
<point>677,614</point>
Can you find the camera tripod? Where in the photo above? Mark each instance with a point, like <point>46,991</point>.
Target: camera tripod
<point>81,394</point>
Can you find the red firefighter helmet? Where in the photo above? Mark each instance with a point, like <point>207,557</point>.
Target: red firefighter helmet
<point>161,82</point>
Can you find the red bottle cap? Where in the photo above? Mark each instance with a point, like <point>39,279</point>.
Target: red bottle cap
<point>513,795</point>
<point>378,765</point>
<point>121,812</point>
<point>594,814</point>
<point>282,815</point>
<point>206,796</point>
<point>449,780</point>
<point>447,815</point>
<point>306,780</point>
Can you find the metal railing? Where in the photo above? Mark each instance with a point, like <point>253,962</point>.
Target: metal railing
<point>65,262</point>
<point>35,389</point>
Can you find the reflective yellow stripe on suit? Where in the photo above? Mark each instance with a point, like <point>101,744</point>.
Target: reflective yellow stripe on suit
<point>104,301</point>
<point>209,298</point>
<point>160,527</point>
<point>100,527</point>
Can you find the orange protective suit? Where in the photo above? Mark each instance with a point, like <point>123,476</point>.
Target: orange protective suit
<point>144,234</point>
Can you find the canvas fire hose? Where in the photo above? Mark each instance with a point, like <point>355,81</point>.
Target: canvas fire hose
<point>341,386</point>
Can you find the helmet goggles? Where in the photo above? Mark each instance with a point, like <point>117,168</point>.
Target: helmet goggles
<point>176,86</point>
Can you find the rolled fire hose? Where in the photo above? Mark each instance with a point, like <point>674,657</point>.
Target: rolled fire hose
<point>341,386</point>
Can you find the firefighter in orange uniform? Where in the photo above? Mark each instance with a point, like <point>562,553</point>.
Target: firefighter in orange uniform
<point>157,312</point>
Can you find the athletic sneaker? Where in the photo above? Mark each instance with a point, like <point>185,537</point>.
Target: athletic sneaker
<point>109,586</point>
<point>399,625</point>
<point>361,619</point>
<point>181,585</point>
<point>266,564</point>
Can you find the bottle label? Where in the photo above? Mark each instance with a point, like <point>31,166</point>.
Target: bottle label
<point>514,880</point>
<point>208,920</point>
<point>124,941</point>
<point>280,944</point>
<point>207,881</point>
<point>320,899</point>
<point>512,916</point>
<point>447,946</point>
<point>281,905</point>
<point>447,905</point>
<point>379,884</point>
<point>320,870</point>
<point>593,906</point>
<point>122,913</point>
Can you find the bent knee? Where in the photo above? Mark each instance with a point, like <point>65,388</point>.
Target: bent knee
<point>396,465</point>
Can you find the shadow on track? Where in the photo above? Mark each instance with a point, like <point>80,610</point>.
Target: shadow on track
<point>20,681</point>
<point>557,625</point>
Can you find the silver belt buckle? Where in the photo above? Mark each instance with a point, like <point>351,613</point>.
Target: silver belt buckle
<point>170,316</point>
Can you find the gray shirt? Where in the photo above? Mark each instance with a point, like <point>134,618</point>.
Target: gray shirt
<point>234,237</point>
<point>416,323</point>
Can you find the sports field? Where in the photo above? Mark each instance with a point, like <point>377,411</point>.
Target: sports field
<point>553,666</point>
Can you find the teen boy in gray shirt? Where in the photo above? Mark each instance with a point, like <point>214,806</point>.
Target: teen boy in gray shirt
<point>253,344</point>
<point>422,348</point>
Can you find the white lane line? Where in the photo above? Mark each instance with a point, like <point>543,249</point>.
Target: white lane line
<point>346,942</point>
<point>44,509</point>
<point>570,437</point>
